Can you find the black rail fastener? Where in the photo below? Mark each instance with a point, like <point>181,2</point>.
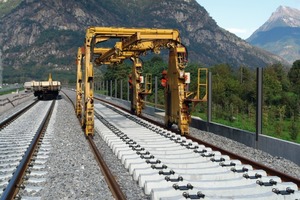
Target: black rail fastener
<point>153,162</point>
<point>172,137</point>
<point>186,145</point>
<point>125,139</point>
<point>118,132</point>
<point>200,151</point>
<point>178,140</point>
<point>217,160</point>
<point>134,145</point>
<point>193,147</point>
<point>208,155</point>
<point>256,176</point>
<point>159,167</point>
<point>143,153</point>
<point>22,186</point>
<point>183,187</point>
<point>270,183</point>
<point>147,157</point>
<point>244,169</point>
<point>287,191</point>
<point>138,149</point>
<point>199,195</point>
<point>171,172</point>
<point>168,178</point>
<point>130,142</point>
<point>161,133</point>
<point>222,164</point>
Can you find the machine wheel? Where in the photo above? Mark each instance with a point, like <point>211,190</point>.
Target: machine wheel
<point>169,124</point>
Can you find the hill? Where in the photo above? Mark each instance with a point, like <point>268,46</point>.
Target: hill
<point>40,34</point>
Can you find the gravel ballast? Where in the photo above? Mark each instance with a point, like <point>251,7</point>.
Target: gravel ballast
<point>73,172</point>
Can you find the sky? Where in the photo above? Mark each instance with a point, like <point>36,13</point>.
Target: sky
<point>244,17</point>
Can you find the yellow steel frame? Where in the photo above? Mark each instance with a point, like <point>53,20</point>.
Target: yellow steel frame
<point>148,83</point>
<point>134,42</point>
<point>78,106</point>
<point>202,84</point>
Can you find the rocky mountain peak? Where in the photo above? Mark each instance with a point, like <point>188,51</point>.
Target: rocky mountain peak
<point>280,34</point>
<point>284,16</point>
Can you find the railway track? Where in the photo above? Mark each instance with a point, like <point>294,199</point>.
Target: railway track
<point>170,166</point>
<point>22,152</point>
<point>165,165</point>
<point>110,179</point>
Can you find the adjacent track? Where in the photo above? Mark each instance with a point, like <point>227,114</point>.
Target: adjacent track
<point>16,115</point>
<point>20,140</point>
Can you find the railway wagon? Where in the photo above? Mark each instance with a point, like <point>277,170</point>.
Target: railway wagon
<point>28,86</point>
<point>46,89</point>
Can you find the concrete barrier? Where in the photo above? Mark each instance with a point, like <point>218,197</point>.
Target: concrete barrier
<point>271,145</point>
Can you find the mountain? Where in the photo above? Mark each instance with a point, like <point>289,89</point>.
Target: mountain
<point>280,34</point>
<point>41,35</point>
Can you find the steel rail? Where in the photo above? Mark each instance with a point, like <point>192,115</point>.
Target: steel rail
<point>244,160</point>
<point>110,179</point>
<point>69,99</point>
<point>15,183</point>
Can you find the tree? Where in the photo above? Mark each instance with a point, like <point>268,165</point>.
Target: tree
<point>294,76</point>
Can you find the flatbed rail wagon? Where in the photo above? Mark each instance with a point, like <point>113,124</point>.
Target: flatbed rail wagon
<point>46,89</point>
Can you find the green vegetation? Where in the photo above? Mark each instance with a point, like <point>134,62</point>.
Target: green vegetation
<point>69,37</point>
<point>10,90</point>
<point>6,7</point>
<point>234,95</point>
<point>33,72</point>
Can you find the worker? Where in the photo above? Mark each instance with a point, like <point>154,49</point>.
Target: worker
<point>164,79</point>
<point>130,80</point>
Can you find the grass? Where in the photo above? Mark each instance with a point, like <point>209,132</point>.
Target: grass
<point>273,128</point>
<point>9,91</point>
<point>8,6</point>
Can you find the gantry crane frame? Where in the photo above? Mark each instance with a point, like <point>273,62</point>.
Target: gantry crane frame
<point>134,42</point>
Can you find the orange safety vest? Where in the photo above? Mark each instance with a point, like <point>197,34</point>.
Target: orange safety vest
<point>164,82</point>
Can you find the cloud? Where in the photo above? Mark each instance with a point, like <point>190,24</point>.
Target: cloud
<point>242,33</point>
<point>236,30</point>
